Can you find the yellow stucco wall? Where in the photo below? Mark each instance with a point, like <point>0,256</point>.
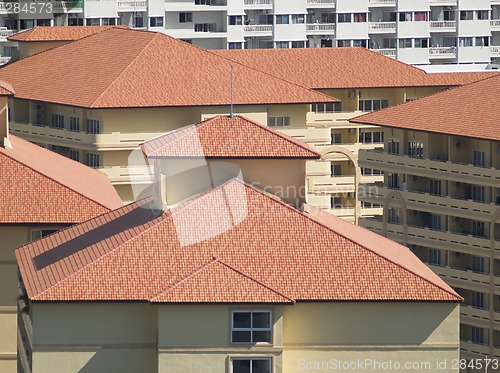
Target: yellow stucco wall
<point>30,48</point>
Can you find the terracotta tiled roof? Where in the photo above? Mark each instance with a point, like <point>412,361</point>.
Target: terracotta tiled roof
<point>6,89</point>
<point>131,68</point>
<point>262,245</point>
<point>39,186</point>
<point>227,137</point>
<point>323,68</point>
<point>469,110</point>
<point>58,33</point>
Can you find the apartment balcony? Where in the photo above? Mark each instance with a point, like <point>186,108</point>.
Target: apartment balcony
<point>337,119</point>
<point>443,2</point>
<point>465,279</point>
<point>329,4</point>
<point>258,4</point>
<point>5,33</point>
<point>388,52</point>
<point>132,5</point>
<point>63,137</point>
<point>381,3</point>
<point>4,60</point>
<point>314,136</point>
<point>495,51</point>
<point>67,6</point>
<point>320,29</point>
<point>495,24</point>
<point>258,30</point>
<point>119,175</point>
<point>443,26</point>
<point>179,6</point>
<point>470,351</point>
<point>442,52</point>
<point>477,316</point>
<point>345,213</point>
<point>330,184</point>
<point>381,27</point>
<point>452,171</point>
<point>445,240</point>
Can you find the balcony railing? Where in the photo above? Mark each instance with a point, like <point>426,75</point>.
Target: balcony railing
<point>132,4</point>
<point>442,52</point>
<point>128,174</point>
<point>443,25</point>
<point>259,4</point>
<point>321,2</point>
<point>322,28</point>
<point>382,2</point>
<point>4,60</point>
<point>67,5</point>
<point>443,2</point>
<point>495,23</point>
<point>386,52</point>
<point>383,27</point>
<point>316,136</point>
<point>4,34</point>
<point>495,51</point>
<point>263,29</point>
<point>331,184</point>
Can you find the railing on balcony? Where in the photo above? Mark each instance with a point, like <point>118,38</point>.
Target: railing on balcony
<point>441,25</point>
<point>382,26</point>
<point>4,60</point>
<point>258,3</point>
<point>321,27</point>
<point>388,52</point>
<point>258,28</point>
<point>321,2</point>
<point>443,2</point>
<point>382,2</point>
<point>4,34</point>
<point>132,4</point>
<point>495,23</point>
<point>331,184</point>
<point>67,5</point>
<point>448,52</point>
<point>495,51</point>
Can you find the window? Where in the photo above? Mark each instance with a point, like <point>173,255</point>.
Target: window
<point>420,16</point>
<point>204,2</point>
<point>359,17</point>
<point>421,43</point>
<point>57,121</point>
<point>74,155</point>
<point>235,45</point>
<point>138,21</point>
<point>389,17</point>
<point>405,43</point>
<point>389,43</point>
<point>405,17</point>
<point>185,17</point>
<point>156,22</point>
<point>93,160</point>
<point>477,335</point>
<point>393,181</point>
<point>235,20</point>
<point>75,21</point>
<point>466,15</point>
<point>435,187</point>
<point>465,42</point>
<point>251,326</point>
<point>435,257</point>
<point>330,18</point>
<point>298,18</point>
<point>335,202</point>
<point>371,105</point>
<point>393,147</point>
<point>108,21</point>
<point>283,19</point>
<point>482,41</point>
<point>392,216</point>
<point>205,27</point>
<point>343,43</point>
<point>449,15</point>
<point>93,21</point>
<point>254,365</point>
<point>344,18</point>
<point>336,138</point>
<point>479,158</point>
<point>371,137</point>
<point>35,234</point>
<point>282,44</point>
<point>279,121</point>
<point>482,15</point>
<point>478,264</point>
<point>298,44</point>
<point>336,169</point>
<point>330,107</point>
<point>43,22</point>
<point>415,149</point>
<point>359,43</point>
<point>265,19</point>
<point>93,126</point>
<point>478,193</point>
<point>478,229</point>
<point>27,23</point>
<point>435,222</point>
<point>74,124</point>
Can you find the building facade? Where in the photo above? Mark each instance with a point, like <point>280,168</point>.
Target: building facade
<point>417,32</point>
<point>441,198</point>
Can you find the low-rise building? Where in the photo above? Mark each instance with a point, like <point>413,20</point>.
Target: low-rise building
<point>441,197</point>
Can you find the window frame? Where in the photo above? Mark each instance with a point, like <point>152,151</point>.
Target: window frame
<point>266,358</point>
<point>92,125</point>
<point>185,17</point>
<point>273,121</point>
<point>74,124</point>
<point>57,121</point>
<point>251,329</point>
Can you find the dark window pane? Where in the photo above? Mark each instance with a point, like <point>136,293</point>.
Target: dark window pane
<point>241,366</point>
<point>241,320</point>
<point>243,336</point>
<point>261,366</point>
<point>262,336</point>
<point>261,320</point>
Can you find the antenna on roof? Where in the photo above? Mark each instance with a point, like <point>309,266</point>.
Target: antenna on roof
<point>231,110</point>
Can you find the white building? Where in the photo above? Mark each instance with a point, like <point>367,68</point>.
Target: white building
<point>419,32</point>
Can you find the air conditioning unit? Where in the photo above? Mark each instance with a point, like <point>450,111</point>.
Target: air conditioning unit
<point>39,107</point>
<point>414,212</point>
<point>53,147</point>
<point>459,144</point>
<point>414,177</point>
<point>457,254</point>
<point>458,184</point>
<point>38,116</point>
<point>457,219</point>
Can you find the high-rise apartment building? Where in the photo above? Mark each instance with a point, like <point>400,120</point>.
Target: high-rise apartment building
<point>418,32</point>
<point>441,164</point>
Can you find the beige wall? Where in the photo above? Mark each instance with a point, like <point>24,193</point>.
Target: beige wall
<point>26,49</point>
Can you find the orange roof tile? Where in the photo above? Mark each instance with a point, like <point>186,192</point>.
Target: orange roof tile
<point>271,250</point>
<point>131,68</point>
<point>227,137</point>
<point>40,186</point>
<point>323,68</point>
<point>58,33</point>
<point>6,89</point>
<point>468,110</point>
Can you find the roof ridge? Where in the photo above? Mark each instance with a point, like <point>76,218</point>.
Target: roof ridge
<point>108,86</point>
<point>54,180</point>
<point>309,215</point>
<point>204,267</point>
